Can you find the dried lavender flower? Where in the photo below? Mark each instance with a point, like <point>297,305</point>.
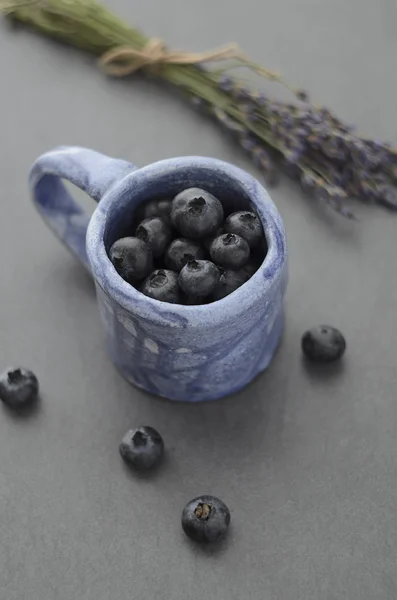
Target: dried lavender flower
<point>310,142</point>
<point>302,95</point>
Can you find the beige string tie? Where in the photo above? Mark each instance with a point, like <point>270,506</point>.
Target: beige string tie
<point>125,60</point>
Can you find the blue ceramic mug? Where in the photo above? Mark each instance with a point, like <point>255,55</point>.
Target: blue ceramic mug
<point>188,353</point>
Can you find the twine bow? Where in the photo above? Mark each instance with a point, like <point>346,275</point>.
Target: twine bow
<point>125,60</point>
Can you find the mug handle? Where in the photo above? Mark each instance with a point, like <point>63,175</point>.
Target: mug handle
<point>91,171</point>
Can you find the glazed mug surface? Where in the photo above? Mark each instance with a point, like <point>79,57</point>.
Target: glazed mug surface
<point>188,353</point>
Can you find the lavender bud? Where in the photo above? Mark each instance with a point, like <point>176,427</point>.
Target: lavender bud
<point>333,149</point>
<point>262,100</point>
<point>393,172</point>
<point>249,111</point>
<point>334,197</point>
<point>274,109</point>
<point>358,153</point>
<point>240,92</point>
<point>387,195</point>
<point>302,95</point>
<point>247,143</point>
<point>346,177</point>
<point>301,133</point>
<point>293,156</point>
<point>226,83</point>
<point>261,156</point>
<point>287,120</point>
<point>317,117</point>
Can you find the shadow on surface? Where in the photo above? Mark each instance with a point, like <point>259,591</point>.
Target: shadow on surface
<point>29,413</point>
<point>210,550</point>
<point>323,372</point>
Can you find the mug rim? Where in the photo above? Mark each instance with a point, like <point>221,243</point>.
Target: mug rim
<point>233,305</point>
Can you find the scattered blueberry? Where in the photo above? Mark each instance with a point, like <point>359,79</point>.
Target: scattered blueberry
<point>196,214</point>
<point>198,278</point>
<point>205,519</point>
<point>323,344</point>
<point>229,281</point>
<point>162,285</point>
<point>180,251</point>
<point>132,258</point>
<point>19,387</point>
<point>142,447</point>
<point>156,233</point>
<point>230,251</point>
<point>245,224</point>
<point>158,208</point>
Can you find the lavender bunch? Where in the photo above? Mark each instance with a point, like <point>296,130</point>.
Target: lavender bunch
<point>313,146</point>
<point>308,142</point>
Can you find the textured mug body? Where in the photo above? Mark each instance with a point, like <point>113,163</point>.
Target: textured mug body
<point>187,353</point>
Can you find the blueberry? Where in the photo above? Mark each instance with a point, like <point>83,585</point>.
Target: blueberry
<point>156,233</point>
<point>196,214</point>
<point>323,344</point>
<point>230,251</point>
<point>250,268</point>
<point>245,224</point>
<point>208,241</point>
<point>162,285</point>
<point>142,447</point>
<point>158,208</point>
<point>205,519</point>
<point>180,251</point>
<point>132,258</point>
<point>19,387</point>
<point>229,281</point>
<point>198,278</point>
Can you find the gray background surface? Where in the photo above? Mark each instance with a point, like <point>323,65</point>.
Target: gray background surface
<point>306,462</point>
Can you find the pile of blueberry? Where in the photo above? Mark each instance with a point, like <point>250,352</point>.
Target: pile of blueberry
<point>185,251</point>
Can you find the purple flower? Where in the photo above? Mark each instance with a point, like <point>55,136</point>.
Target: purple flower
<point>335,198</point>
<point>249,110</point>
<point>301,132</point>
<point>247,143</point>
<point>364,185</point>
<point>226,83</point>
<point>293,155</point>
<point>363,156</point>
<point>261,100</point>
<point>261,157</point>
<point>393,172</point>
<point>287,120</point>
<point>317,137</point>
<point>333,149</point>
<point>241,93</point>
<point>346,176</point>
<point>302,95</point>
<point>317,117</point>
<point>387,195</point>
<point>274,109</point>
